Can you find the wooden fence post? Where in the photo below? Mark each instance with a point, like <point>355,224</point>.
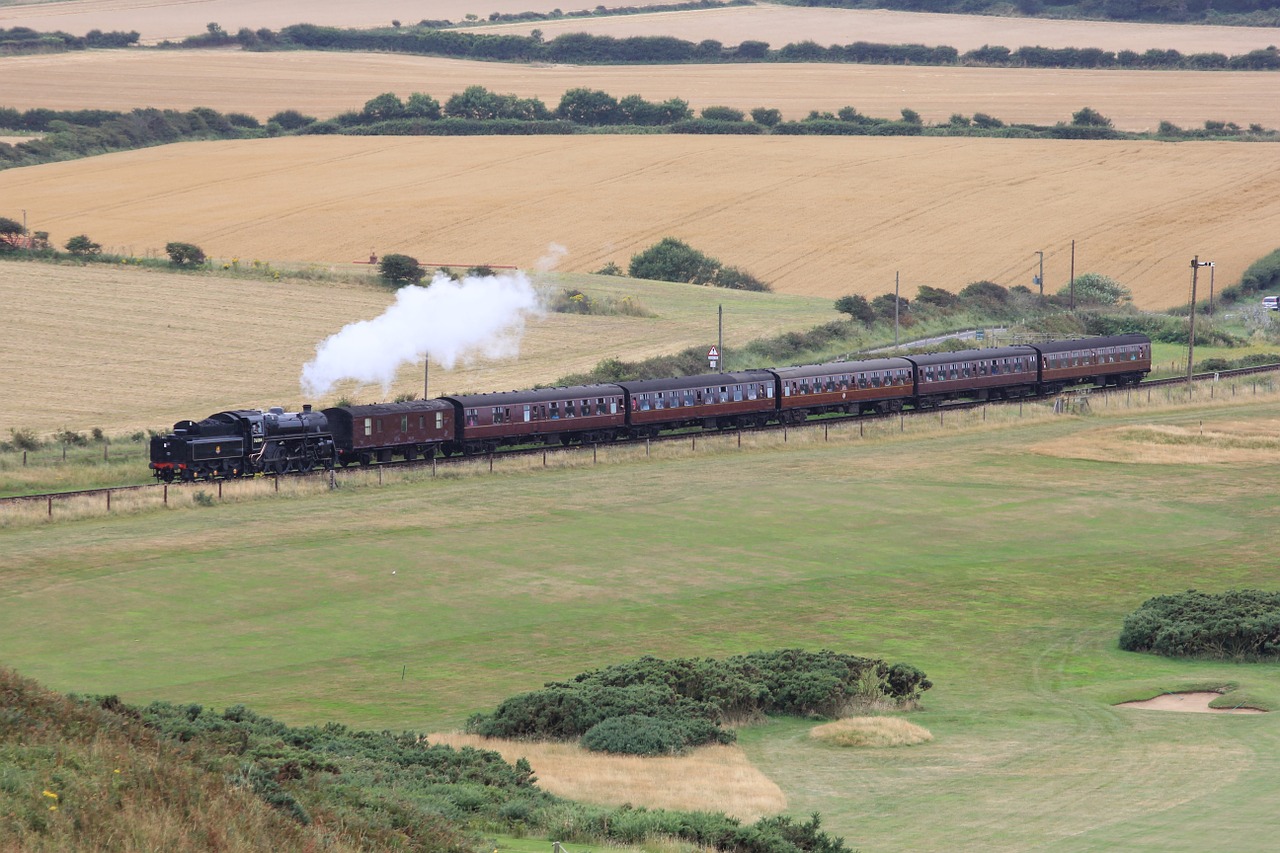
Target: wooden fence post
<point>108,500</point>
<point>166,494</point>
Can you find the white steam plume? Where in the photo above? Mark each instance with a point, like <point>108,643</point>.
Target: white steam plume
<point>451,320</point>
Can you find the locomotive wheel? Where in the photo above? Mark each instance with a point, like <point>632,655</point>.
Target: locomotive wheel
<point>305,464</point>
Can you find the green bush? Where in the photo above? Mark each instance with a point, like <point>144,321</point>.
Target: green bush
<point>685,701</point>
<point>635,734</point>
<point>184,254</point>
<point>1262,274</point>
<point>1241,624</point>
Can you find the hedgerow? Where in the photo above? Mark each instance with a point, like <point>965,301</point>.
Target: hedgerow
<point>1241,624</point>
<point>686,701</point>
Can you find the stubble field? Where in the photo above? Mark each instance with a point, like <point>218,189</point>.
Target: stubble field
<point>818,217</point>
<point>325,84</point>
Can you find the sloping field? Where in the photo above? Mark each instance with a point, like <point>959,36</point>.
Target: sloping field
<point>820,217</point>
<point>779,25</point>
<point>325,84</point>
<point>157,20</point>
<point>126,349</point>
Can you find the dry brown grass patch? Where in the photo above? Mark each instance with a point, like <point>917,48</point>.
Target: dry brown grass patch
<point>712,778</point>
<point>871,732</point>
<point>1224,442</point>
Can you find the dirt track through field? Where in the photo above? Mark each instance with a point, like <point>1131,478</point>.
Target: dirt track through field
<point>325,84</point>
<point>819,217</point>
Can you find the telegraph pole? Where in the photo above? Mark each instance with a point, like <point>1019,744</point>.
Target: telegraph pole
<point>724,368</point>
<point>1073,275</point>
<point>426,375</point>
<point>1196,263</point>
<point>1212,268</point>
<point>1040,279</point>
<point>895,309</point>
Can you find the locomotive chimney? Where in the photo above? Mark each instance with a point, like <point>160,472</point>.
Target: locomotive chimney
<point>306,407</point>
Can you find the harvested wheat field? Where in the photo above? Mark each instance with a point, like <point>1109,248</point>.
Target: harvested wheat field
<point>711,778</point>
<point>814,216</point>
<point>157,20</point>
<point>325,84</point>
<point>780,25</point>
<point>127,349</point>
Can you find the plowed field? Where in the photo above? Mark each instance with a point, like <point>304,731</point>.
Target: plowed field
<point>324,84</point>
<point>820,217</point>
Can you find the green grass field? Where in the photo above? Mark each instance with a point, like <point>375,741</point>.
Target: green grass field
<point>979,553</point>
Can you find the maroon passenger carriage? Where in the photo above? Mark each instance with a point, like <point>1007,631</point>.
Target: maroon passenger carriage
<point>1114,360</point>
<point>855,387</point>
<point>415,429</point>
<point>977,374</point>
<point>708,400</point>
<point>576,413</point>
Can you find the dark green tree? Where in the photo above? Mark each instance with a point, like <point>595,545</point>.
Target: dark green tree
<point>11,234</point>
<point>718,113</point>
<point>1089,117</point>
<point>857,307</point>
<point>883,306</point>
<point>184,254</point>
<point>82,247</point>
<point>766,116</point>
<point>936,296</point>
<point>383,107</point>
<point>420,105</point>
<point>400,270</point>
<point>673,260</point>
<point>291,119</point>
<point>588,106</point>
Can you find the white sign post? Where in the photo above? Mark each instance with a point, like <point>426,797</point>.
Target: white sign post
<point>713,357</point>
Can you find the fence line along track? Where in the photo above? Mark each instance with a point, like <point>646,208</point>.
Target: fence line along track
<point>825,422</point>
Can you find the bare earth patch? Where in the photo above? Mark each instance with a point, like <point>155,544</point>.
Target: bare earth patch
<point>1255,442</point>
<point>1192,703</point>
<point>712,778</point>
<point>871,732</point>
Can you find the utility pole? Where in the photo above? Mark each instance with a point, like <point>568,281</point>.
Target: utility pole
<point>895,309</point>
<point>1196,263</point>
<point>724,367</point>
<point>26,235</point>
<point>1073,275</point>
<point>1040,278</point>
<point>1212,268</point>
<point>426,375</point>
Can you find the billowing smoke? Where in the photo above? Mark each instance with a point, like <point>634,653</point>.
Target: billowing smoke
<point>451,320</point>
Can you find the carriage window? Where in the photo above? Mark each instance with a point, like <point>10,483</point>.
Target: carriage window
<point>497,415</point>
<point>555,411</point>
<point>368,426</point>
<point>379,424</point>
<point>862,380</point>
<point>404,423</point>
<point>724,394</point>
<point>737,393</point>
<point>471,417</point>
<point>439,420</point>
<point>613,406</point>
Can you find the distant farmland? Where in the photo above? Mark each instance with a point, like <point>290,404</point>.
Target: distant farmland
<point>814,216</point>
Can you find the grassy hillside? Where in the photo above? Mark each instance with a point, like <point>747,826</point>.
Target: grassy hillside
<point>1001,558</point>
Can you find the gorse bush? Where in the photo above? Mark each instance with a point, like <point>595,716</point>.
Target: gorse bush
<point>314,787</point>
<point>1243,624</point>
<point>666,705</point>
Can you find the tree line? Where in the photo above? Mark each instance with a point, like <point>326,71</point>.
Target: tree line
<point>588,49</point>
<point>477,111</point>
<point>1237,12</point>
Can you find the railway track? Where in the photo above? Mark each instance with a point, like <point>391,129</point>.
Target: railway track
<point>48,498</point>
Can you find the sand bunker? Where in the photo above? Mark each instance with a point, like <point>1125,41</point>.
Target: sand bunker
<point>1192,703</point>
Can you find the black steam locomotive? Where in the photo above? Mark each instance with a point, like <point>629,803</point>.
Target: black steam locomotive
<point>247,442</point>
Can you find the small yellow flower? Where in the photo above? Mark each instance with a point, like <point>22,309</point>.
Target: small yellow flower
<point>53,808</point>
<point>49,793</point>
<point>116,771</point>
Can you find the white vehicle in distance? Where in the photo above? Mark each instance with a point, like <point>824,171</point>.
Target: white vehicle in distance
<point>1271,303</point>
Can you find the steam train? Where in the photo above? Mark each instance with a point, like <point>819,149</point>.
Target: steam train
<point>248,441</point>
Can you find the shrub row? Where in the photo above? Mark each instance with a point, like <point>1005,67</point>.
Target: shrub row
<point>1241,623</point>
<point>399,788</point>
<point>650,705</point>
<point>20,40</point>
<point>1239,12</point>
<point>585,48</point>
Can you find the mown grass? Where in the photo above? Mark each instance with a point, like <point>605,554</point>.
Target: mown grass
<point>1003,573</point>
